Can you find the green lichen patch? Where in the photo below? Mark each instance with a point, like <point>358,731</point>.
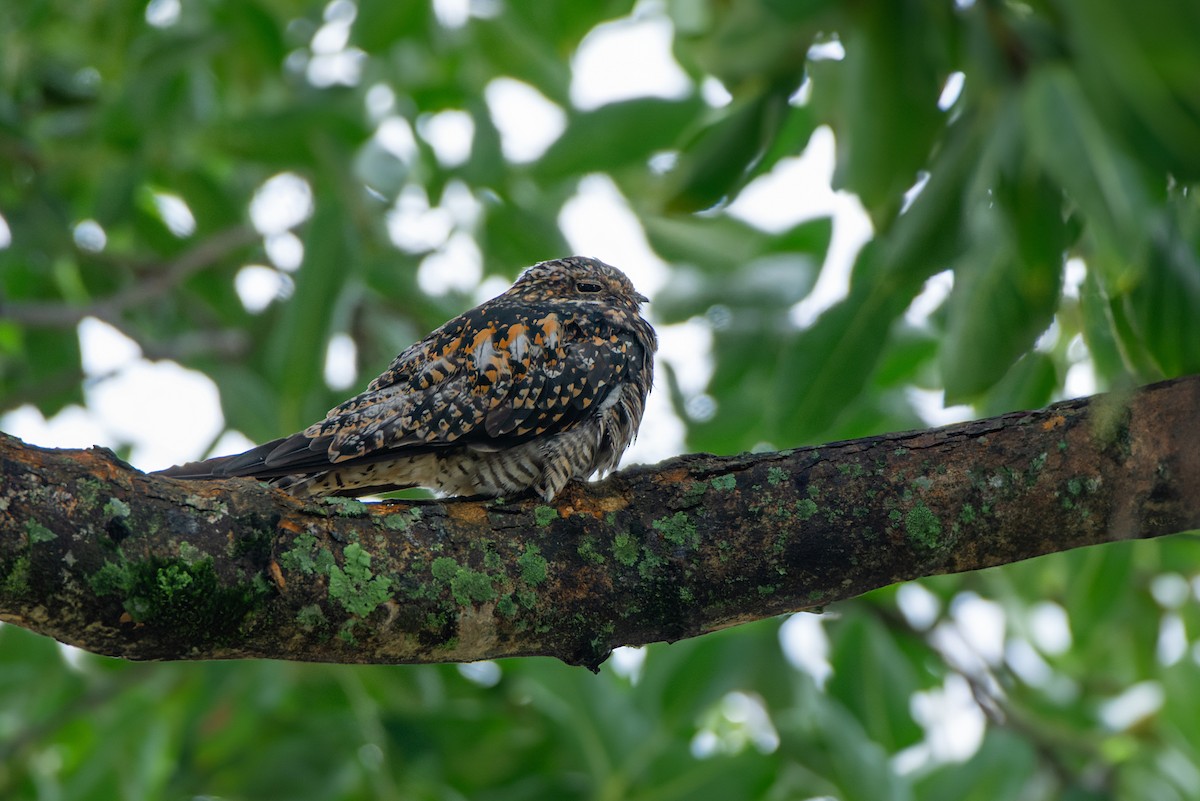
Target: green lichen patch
<point>776,476</point>
<point>923,483</point>
<point>88,489</point>
<point>116,509</point>
<point>16,581</point>
<point>346,507</point>
<point>466,585</point>
<point>806,508</point>
<point>36,532</point>
<point>967,513</point>
<point>588,551</point>
<point>544,515</point>
<point>852,470</point>
<point>649,564</point>
<point>190,553</point>
<point>678,530</point>
<point>1077,488</point>
<point>923,526</point>
<point>533,565</point>
<point>625,550</point>
<point>186,603</point>
<point>312,618</point>
<point>354,586</point>
<point>1036,464</point>
<point>402,521</point>
<point>110,579</point>
<point>725,483</point>
<point>694,493</point>
<point>300,556</point>
<point>506,606</point>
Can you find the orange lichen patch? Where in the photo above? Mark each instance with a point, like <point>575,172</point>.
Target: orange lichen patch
<point>1054,422</point>
<point>276,575</point>
<point>470,513</point>
<point>595,507</point>
<point>677,476</point>
<point>290,526</point>
<point>101,463</point>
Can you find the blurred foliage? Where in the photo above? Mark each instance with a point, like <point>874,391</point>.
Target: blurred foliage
<point>1073,139</point>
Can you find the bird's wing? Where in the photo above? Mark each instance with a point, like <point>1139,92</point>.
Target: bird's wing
<point>494,377</point>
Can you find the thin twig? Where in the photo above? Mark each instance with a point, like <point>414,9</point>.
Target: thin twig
<point>201,256</point>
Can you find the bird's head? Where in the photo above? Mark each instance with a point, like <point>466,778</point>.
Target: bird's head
<point>576,279</point>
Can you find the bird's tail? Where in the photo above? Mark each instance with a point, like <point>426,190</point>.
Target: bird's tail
<point>251,463</point>
<point>207,468</point>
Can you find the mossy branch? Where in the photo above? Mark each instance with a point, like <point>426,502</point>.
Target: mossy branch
<point>99,555</point>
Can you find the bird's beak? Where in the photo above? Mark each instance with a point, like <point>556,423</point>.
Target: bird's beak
<point>640,298</point>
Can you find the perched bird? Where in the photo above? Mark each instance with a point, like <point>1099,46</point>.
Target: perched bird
<point>542,384</point>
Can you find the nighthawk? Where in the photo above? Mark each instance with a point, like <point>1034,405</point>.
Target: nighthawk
<point>542,384</point>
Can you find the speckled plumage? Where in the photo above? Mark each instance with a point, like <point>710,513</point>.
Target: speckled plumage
<point>544,383</point>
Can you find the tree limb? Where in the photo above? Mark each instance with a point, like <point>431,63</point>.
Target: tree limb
<point>99,555</point>
<point>160,281</point>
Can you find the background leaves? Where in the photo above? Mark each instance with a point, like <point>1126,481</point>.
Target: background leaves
<point>1029,171</point>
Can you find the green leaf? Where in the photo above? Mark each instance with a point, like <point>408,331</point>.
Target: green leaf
<point>1097,330</point>
<point>1164,305</point>
<point>1139,65</point>
<point>297,346</point>
<point>717,244</point>
<point>516,236</point>
<point>1028,384</point>
<point>823,368</point>
<point>1100,586</point>
<point>740,267</point>
<point>616,135</point>
<point>909,352</point>
<point>1003,769</point>
<point>291,135</point>
<point>1105,182</point>
<point>886,116</point>
<point>874,680</point>
<point>47,374</point>
<point>999,305</point>
<point>715,164</point>
<point>380,24</point>
<point>249,401</point>
<point>857,764</point>
<point>746,44</point>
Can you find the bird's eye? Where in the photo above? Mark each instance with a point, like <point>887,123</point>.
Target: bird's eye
<point>588,286</point>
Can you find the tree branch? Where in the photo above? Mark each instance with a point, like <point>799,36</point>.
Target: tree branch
<point>204,254</point>
<point>99,555</point>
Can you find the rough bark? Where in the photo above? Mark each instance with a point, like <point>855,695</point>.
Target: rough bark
<point>99,555</point>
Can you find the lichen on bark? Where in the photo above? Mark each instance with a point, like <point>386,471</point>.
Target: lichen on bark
<point>99,555</point>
